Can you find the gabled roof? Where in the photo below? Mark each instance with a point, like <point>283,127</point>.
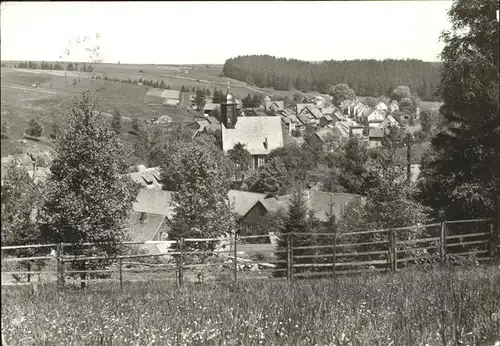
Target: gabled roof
<point>154,201</point>
<point>389,120</point>
<point>319,202</point>
<point>243,201</point>
<point>279,104</point>
<point>380,103</point>
<point>147,177</point>
<point>144,226</point>
<point>304,119</point>
<point>253,132</point>
<point>324,133</point>
<point>376,114</point>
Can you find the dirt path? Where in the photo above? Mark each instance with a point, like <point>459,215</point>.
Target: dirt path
<point>219,83</point>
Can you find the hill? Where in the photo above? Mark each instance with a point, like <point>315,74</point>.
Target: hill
<point>366,77</point>
<point>53,99</point>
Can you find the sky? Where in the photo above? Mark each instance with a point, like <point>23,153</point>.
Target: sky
<point>211,32</point>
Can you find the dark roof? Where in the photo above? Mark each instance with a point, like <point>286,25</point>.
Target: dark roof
<point>243,201</point>
<point>319,203</point>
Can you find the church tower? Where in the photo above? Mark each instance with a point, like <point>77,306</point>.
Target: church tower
<point>229,114</point>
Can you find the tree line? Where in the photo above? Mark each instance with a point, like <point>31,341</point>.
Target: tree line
<point>54,66</point>
<point>366,77</point>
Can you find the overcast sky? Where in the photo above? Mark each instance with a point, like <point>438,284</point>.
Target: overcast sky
<point>211,32</point>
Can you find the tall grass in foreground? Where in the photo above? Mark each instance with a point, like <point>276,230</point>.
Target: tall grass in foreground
<point>435,307</point>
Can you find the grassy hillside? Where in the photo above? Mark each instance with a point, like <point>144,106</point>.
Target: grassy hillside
<point>53,99</point>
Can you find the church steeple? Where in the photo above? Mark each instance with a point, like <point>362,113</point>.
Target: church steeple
<point>229,114</point>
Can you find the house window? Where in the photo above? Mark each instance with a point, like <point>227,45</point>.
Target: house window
<point>255,162</point>
<point>261,161</point>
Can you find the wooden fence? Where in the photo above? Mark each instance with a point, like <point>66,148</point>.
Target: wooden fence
<point>300,255</point>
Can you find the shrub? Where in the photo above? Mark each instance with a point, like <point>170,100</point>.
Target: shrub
<point>34,128</point>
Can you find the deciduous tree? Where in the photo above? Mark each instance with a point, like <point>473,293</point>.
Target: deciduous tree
<point>341,92</point>
<point>87,198</point>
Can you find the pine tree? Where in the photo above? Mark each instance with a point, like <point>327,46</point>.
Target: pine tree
<point>299,219</point>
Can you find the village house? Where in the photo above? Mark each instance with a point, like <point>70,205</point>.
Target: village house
<point>300,106</point>
<point>375,117</point>
<point>325,120</point>
<point>209,107</point>
<point>358,110</point>
<point>393,106</point>
<point>375,137</point>
<point>326,138</point>
<point>382,106</point>
<point>260,134</point>
<point>319,201</point>
<point>311,112</point>
<point>274,106</point>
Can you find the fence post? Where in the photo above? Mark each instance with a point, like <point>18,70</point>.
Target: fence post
<point>288,257</point>
<point>121,273</point>
<point>59,271</point>
<point>334,251</point>
<point>181,259</point>
<point>29,269</point>
<point>235,263</point>
<point>393,250</point>
<point>442,244</point>
<point>291,256</point>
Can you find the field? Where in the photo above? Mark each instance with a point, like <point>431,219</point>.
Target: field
<point>53,99</point>
<point>437,307</point>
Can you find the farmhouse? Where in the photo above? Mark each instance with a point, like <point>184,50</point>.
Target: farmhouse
<point>319,202</point>
<point>324,137</point>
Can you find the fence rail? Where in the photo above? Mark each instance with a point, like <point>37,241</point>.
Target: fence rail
<point>298,259</point>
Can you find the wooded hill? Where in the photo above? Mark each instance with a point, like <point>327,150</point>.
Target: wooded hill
<point>366,77</point>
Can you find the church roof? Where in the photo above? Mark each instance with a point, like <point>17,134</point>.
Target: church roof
<point>253,132</point>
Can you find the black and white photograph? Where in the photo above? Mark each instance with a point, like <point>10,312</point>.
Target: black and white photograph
<point>321,173</point>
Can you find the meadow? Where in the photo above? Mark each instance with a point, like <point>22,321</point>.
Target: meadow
<point>435,307</point>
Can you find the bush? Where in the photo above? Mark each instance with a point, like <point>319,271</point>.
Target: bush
<point>34,128</point>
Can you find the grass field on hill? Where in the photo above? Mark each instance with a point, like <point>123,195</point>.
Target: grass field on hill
<point>436,307</point>
<point>53,99</point>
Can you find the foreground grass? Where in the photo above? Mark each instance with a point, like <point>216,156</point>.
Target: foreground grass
<point>436,307</point>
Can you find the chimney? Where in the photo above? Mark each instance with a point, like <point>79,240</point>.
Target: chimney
<point>265,143</point>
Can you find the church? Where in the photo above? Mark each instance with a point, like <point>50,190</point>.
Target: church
<point>259,134</point>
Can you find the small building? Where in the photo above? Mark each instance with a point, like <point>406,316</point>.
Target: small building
<point>319,201</point>
<point>375,137</point>
<point>325,120</point>
<point>274,106</point>
<point>324,137</point>
<point>393,106</point>
<point>185,99</point>
<point>209,107</point>
<point>151,216</point>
